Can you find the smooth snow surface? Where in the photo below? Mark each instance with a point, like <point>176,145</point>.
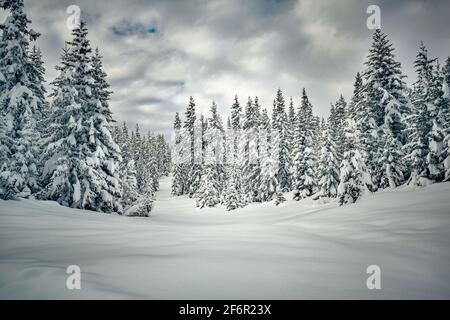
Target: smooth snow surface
<point>294,251</point>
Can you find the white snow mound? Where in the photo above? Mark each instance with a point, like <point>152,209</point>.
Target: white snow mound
<point>294,251</point>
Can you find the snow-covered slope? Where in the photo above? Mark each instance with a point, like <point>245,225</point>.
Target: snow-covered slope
<point>297,250</point>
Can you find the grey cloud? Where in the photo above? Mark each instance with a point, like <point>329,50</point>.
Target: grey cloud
<point>215,49</point>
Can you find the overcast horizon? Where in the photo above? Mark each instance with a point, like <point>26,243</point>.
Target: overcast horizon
<point>158,53</point>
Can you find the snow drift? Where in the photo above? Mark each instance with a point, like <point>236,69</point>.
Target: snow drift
<point>294,251</point>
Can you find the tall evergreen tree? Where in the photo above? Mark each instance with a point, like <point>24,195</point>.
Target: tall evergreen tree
<point>281,125</point>
<point>20,105</point>
<point>101,85</point>
<point>209,190</point>
<point>351,186</point>
<point>194,174</point>
<point>268,159</point>
<point>385,103</point>
<point>292,120</point>
<point>231,197</point>
<point>328,167</point>
<point>303,154</point>
<point>83,159</point>
<point>127,168</point>
<point>250,167</point>
<point>418,123</point>
<point>446,97</point>
<point>192,127</point>
<point>36,75</point>
<point>338,126</point>
<point>236,115</point>
<point>179,176</point>
<point>437,113</point>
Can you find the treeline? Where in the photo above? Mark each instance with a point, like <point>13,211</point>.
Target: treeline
<point>62,148</point>
<point>387,135</point>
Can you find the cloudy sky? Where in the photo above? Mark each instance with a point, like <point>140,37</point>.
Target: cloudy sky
<point>158,53</point>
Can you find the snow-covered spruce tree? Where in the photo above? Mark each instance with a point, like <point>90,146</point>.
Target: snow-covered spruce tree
<point>161,152</point>
<point>328,167</point>
<point>236,118</point>
<point>385,103</point>
<point>391,162</point>
<point>193,167</point>
<point>357,97</point>
<point>231,196</point>
<point>268,181</point>
<point>101,85</point>
<point>20,106</point>
<point>36,75</point>
<point>303,153</point>
<point>215,123</point>
<point>151,154</point>
<point>136,143</point>
<point>209,191</point>
<point>194,174</point>
<point>280,124</point>
<point>446,97</point>
<point>212,176</point>
<point>316,148</point>
<point>352,170</point>
<point>147,180</point>
<point>418,122</point>
<point>179,177</point>
<point>365,135</point>
<point>292,118</point>
<point>237,135</point>
<point>437,113</point>
<point>82,157</point>
<point>337,123</point>
<point>127,168</point>
<point>251,168</point>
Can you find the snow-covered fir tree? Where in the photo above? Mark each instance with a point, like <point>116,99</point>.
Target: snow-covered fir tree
<point>251,167</point>
<point>194,174</point>
<point>231,197</point>
<point>36,75</point>
<point>101,85</point>
<point>357,97</point>
<point>391,160</point>
<point>179,176</point>
<point>418,122</point>
<point>216,124</point>
<point>210,187</point>
<point>209,190</point>
<point>437,114</point>
<point>304,153</point>
<point>385,104</point>
<point>291,119</point>
<point>337,123</point>
<point>268,161</point>
<point>328,166</point>
<point>237,155</point>
<point>281,125</point>
<point>446,97</point>
<point>20,104</point>
<point>352,169</point>
<point>81,170</point>
<point>193,128</point>
<point>127,168</point>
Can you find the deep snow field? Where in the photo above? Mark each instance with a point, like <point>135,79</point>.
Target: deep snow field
<point>298,250</point>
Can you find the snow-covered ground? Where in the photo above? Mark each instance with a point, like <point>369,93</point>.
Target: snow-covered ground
<point>294,251</point>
